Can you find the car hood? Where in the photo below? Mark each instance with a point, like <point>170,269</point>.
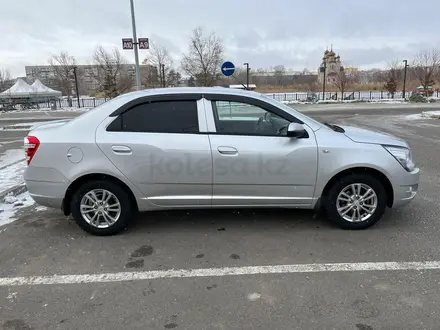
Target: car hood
<point>362,135</point>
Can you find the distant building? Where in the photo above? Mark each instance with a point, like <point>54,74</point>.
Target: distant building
<point>332,64</point>
<point>351,70</point>
<point>87,82</point>
<point>251,86</point>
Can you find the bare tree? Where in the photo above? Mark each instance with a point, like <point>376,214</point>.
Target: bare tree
<point>160,56</point>
<point>279,72</point>
<point>150,77</point>
<point>341,81</point>
<point>305,71</point>
<point>240,75</point>
<point>5,79</point>
<point>112,73</point>
<point>392,76</point>
<point>191,82</point>
<point>312,86</point>
<point>173,78</point>
<point>62,66</point>
<point>204,57</point>
<point>425,67</point>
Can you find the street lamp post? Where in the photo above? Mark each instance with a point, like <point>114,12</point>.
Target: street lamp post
<point>76,85</point>
<point>323,69</point>
<point>404,78</point>
<point>135,44</point>
<point>163,75</point>
<point>247,75</point>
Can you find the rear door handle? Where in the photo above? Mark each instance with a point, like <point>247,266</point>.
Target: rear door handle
<point>227,150</point>
<point>121,149</point>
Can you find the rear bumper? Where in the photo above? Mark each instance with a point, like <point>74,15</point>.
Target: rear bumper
<point>405,188</point>
<point>47,193</point>
<point>46,186</point>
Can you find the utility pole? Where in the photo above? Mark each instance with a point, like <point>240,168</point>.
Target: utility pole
<point>135,44</point>
<point>324,68</point>
<point>247,75</point>
<point>163,75</point>
<point>76,85</point>
<point>404,78</point>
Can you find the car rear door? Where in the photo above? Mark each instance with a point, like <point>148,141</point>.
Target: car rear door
<point>159,147</point>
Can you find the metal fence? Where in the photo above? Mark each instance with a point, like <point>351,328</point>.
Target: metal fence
<point>349,95</point>
<point>83,103</point>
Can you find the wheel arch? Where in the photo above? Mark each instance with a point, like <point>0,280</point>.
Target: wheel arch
<point>362,170</point>
<point>93,176</point>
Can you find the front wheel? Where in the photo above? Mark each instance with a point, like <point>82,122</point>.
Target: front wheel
<point>356,201</point>
<point>102,207</point>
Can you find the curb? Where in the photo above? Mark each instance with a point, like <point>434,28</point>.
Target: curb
<point>14,190</point>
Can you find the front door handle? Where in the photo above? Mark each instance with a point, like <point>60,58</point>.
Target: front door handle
<point>227,150</point>
<point>121,149</point>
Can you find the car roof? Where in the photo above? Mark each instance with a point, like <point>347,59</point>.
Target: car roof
<point>190,90</point>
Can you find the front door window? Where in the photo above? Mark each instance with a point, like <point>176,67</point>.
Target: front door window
<point>237,118</point>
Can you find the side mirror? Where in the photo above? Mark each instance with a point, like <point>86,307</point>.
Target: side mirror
<point>297,131</point>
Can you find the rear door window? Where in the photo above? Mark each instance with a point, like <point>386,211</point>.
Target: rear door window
<point>159,117</point>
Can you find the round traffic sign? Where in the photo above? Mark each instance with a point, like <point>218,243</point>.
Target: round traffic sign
<point>228,69</point>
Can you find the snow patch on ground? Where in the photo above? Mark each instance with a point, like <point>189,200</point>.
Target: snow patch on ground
<point>433,99</point>
<point>12,175</point>
<point>416,116</point>
<point>12,166</point>
<point>11,156</point>
<point>11,205</point>
<point>424,115</point>
<point>431,114</point>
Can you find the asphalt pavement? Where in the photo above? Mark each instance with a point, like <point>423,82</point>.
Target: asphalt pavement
<point>234,269</point>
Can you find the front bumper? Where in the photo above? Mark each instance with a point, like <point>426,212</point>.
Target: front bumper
<point>405,188</point>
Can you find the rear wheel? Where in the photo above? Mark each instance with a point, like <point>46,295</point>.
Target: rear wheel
<point>356,201</point>
<point>102,207</point>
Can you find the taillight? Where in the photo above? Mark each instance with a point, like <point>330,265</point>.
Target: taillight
<point>31,144</point>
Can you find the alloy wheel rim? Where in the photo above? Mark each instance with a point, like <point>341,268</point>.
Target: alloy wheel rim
<point>100,208</point>
<point>357,202</point>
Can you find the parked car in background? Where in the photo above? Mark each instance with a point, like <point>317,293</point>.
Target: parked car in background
<point>188,148</point>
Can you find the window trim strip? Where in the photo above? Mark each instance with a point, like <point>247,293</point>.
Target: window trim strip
<point>156,98</point>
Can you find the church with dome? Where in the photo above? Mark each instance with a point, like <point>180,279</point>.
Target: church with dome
<point>332,64</point>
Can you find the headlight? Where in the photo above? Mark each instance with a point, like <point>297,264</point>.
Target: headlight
<point>403,156</point>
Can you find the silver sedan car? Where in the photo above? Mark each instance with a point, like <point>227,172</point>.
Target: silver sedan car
<point>188,148</point>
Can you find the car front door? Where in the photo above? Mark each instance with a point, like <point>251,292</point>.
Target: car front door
<point>158,146</point>
<point>254,161</point>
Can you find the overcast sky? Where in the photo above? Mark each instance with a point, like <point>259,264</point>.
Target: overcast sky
<point>294,33</point>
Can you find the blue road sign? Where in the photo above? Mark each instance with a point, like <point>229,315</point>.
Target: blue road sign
<point>228,69</point>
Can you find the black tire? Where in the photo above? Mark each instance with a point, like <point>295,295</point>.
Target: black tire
<point>127,209</point>
<point>330,200</point>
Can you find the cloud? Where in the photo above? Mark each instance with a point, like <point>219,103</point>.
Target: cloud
<point>289,32</point>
